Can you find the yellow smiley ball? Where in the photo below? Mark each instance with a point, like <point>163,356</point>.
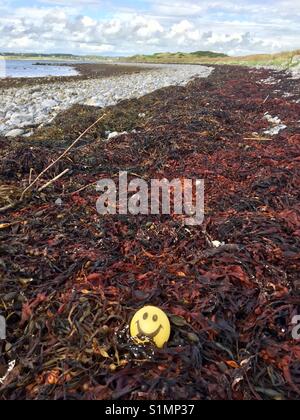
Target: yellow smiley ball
<point>150,323</point>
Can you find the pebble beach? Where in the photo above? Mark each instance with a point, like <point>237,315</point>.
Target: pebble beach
<point>30,106</point>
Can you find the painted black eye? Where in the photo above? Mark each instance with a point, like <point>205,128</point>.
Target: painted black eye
<point>145,316</point>
<point>155,318</point>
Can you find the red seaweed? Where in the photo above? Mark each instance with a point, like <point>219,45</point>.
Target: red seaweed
<point>70,280</point>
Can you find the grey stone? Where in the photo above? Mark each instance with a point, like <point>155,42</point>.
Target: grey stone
<point>14,133</point>
<point>30,106</point>
<point>48,103</point>
<point>116,134</point>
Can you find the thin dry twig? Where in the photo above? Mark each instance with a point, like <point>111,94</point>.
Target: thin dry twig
<point>257,138</point>
<point>53,180</point>
<point>8,207</point>
<point>83,188</point>
<point>60,157</point>
<point>13,205</point>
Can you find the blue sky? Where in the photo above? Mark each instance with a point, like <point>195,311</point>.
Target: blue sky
<point>145,26</point>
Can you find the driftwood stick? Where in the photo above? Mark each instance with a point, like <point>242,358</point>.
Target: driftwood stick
<point>60,157</point>
<point>53,180</point>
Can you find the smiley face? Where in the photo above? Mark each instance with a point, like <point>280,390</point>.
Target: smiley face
<point>150,323</point>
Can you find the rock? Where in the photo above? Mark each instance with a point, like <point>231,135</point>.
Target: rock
<point>28,134</point>
<point>21,120</point>
<point>272,120</point>
<point>59,202</point>
<point>35,89</point>
<point>92,102</point>
<point>14,133</point>
<point>48,104</point>
<point>275,130</point>
<point>217,244</point>
<point>112,135</point>
<point>116,134</point>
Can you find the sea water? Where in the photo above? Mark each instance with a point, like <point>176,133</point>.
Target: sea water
<point>33,68</point>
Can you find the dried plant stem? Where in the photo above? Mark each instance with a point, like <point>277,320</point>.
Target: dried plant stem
<point>8,207</point>
<point>266,99</point>
<point>84,188</point>
<point>30,176</point>
<point>53,180</point>
<point>257,138</point>
<point>60,157</point>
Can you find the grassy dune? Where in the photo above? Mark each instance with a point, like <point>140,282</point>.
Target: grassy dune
<point>284,59</point>
<point>289,59</point>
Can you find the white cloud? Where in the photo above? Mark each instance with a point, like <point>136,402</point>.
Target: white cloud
<point>162,25</point>
<point>88,22</point>
<point>149,28</point>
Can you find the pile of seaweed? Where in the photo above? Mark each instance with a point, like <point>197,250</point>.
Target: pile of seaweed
<point>72,279</point>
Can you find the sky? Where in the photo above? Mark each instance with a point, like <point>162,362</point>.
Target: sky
<point>130,27</point>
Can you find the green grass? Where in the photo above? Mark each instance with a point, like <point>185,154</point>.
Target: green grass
<point>283,60</point>
<point>176,57</point>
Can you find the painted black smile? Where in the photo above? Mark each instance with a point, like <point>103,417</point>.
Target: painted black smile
<point>143,334</point>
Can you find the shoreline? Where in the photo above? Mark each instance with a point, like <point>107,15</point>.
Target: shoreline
<point>34,104</point>
<point>85,71</point>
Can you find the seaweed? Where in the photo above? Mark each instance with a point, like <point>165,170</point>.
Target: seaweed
<point>70,280</point>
